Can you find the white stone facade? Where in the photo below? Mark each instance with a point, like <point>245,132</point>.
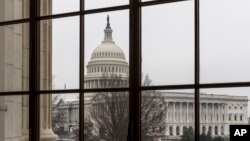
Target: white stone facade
<point>14,73</point>
<point>216,114</point>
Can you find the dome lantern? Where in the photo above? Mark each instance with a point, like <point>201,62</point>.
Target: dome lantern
<point>108,31</point>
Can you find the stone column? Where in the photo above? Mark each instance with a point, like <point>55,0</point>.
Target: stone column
<point>46,133</point>
<point>174,112</point>
<point>174,130</point>
<point>213,113</point>
<point>226,114</point>
<point>167,118</point>
<point>212,131</point>
<point>187,112</point>
<point>220,116</point>
<point>226,130</point>
<point>181,117</point>
<point>219,130</point>
<point>207,115</point>
<point>181,129</point>
<point>206,128</point>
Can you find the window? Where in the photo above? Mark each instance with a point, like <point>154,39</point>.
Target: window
<point>203,129</point>
<point>241,117</point>
<point>86,66</point>
<point>170,131</point>
<point>216,130</point>
<point>177,131</point>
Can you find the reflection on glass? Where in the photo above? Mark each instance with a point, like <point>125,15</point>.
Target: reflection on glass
<point>106,50</point>
<point>93,4</point>
<point>49,7</point>
<point>220,108</point>
<point>14,9</point>
<point>224,40</point>
<point>64,118</point>
<point>168,43</point>
<point>14,118</point>
<point>59,56</point>
<point>14,57</point>
<point>106,116</point>
<point>167,115</point>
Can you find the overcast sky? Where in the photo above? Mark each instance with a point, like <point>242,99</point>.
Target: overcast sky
<point>167,41</point>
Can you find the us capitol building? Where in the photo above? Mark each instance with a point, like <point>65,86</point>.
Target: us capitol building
<point>217,111</point>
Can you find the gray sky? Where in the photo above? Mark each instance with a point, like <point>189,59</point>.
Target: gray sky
<point>167,41</point>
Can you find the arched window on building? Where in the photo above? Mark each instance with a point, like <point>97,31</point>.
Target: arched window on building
<point>177,131</point>
<point>222,130</point>
<point>235,117</point>
<point>210,129</point>
<point>170,131</point>
<point>241,117</point>
<point>203,129</point>
<point>216,130</point>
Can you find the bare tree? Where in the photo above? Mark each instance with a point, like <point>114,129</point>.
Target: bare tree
<point>58,121</point>
<point>109,110</point>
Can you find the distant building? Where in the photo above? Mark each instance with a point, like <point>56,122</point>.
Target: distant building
<point>217,111</point>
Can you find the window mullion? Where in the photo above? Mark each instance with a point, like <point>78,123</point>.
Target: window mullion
<point>134,129</point>
<point>81,102</point>
<point>34,100</point>
<point>197,70</point>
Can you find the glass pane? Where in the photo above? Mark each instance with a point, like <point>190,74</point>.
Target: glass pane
<point>106,55</point>
<point>220,108</point>
<point>168,43</point>
<point>59,117</point>
<point>106,116</point>
<point>49,7</point>
<point>59,53</point>
<point>93,4</point>
<point>14,9</point>
<point>167,115</point>
<point>14,118</point>
<point>14,57</point>
<point>225,41</point>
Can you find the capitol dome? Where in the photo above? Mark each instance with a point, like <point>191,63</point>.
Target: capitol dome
<point>107,59</point>
<point>108,49</point>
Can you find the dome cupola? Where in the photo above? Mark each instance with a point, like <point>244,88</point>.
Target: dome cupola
<point>106,59</point>
<point>108,48</point>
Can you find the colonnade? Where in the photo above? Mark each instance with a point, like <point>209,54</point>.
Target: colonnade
<point>105,83</point>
